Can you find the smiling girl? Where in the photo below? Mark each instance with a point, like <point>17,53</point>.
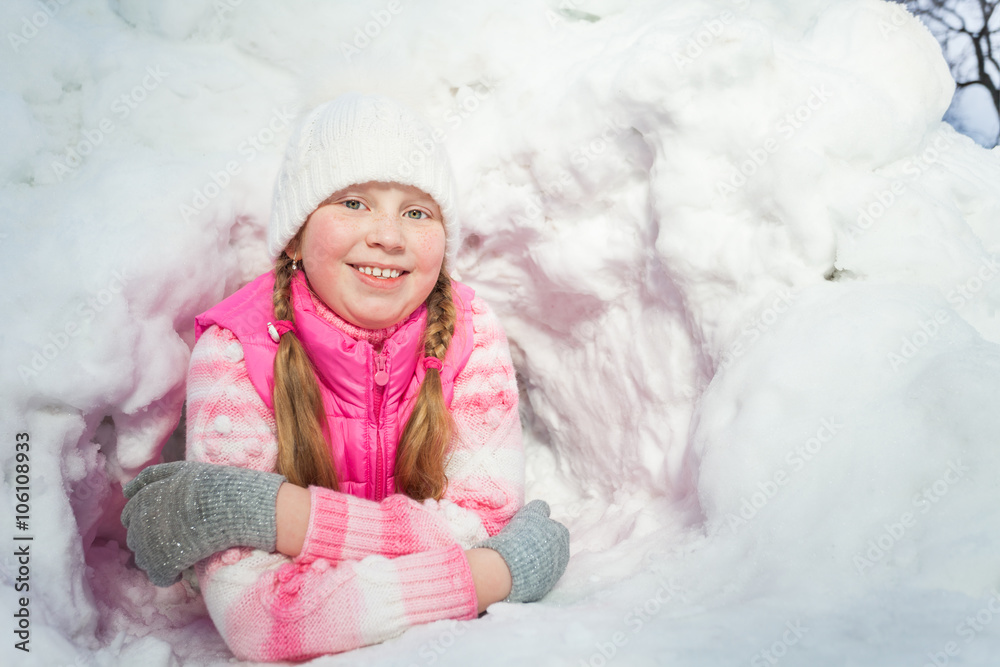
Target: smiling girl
<point>354,448</point>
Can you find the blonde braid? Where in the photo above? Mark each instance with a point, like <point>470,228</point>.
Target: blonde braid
<point>420,457</point>
<point>303,448</point>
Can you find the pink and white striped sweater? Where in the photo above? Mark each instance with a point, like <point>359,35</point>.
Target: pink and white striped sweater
<point>368,570</point>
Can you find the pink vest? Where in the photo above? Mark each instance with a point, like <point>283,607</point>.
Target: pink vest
<point>365,419</point>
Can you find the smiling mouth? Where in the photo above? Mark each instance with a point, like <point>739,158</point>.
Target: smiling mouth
<point>376,272</point>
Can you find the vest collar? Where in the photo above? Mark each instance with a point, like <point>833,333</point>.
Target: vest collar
<point>336,355</point>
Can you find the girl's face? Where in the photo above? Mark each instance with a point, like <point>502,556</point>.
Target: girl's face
<point>373,252</point>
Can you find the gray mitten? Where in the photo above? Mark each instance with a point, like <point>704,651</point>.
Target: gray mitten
<point>536,550</point>
<point>179,513</point>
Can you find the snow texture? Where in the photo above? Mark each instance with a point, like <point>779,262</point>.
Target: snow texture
<point>747,273</point>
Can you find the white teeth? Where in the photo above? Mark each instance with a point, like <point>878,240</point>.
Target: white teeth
<point>378,273</point>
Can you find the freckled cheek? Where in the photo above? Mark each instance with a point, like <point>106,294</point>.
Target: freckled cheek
<point>429,244</point>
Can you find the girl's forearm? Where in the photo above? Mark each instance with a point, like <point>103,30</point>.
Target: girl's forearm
<point>292,516</point>
<point>489,571</point>
<point>490,575</point>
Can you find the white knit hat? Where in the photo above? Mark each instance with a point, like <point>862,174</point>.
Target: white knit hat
<point>356,139</point>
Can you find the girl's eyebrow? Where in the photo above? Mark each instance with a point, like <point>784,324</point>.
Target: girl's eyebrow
<point>421,198</point>
<point>338,195</point>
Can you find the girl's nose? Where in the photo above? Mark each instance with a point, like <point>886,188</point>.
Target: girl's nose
<point>385,232</point>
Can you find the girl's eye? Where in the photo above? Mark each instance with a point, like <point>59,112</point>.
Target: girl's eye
<point>415,214</point>
<point>353,204</point>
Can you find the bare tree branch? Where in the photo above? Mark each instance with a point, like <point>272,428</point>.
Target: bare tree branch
<point>967,40</point>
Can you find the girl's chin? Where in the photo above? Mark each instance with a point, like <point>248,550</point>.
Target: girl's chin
<point>376,318</point>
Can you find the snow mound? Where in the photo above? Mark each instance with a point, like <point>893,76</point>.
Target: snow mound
<point>746,271</point>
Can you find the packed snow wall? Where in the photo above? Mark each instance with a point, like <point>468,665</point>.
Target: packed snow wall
<point>745,270</point>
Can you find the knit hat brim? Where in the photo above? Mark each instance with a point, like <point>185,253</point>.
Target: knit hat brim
<point>357,139</point>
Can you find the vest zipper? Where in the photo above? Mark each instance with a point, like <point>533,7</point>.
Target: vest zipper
<point>381,379</point>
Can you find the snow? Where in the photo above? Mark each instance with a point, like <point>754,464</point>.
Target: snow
<point>746,271</point>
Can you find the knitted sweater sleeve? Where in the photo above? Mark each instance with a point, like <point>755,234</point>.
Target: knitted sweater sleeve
<point>271,607</point>
<point>486,460</point>
<point>485,470</point>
